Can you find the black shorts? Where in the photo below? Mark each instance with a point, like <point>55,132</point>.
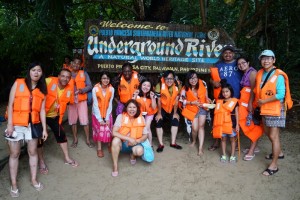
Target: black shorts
<point>57,129</point>
<point>169,116</point>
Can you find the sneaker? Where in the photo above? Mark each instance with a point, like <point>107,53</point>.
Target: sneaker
<point>160,148</point>
<point>232,159</point>
<point>223,159</point>
<point>175,146</point>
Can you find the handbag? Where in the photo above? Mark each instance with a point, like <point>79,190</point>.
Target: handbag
<point>36,130</point>
<point>148,155</point>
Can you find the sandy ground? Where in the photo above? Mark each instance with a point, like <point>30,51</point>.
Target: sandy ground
<point>175,174</point>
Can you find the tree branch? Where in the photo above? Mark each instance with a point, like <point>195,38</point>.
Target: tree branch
<point>242,15</point>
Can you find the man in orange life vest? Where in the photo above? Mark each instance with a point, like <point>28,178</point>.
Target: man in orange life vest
<point>226,69</point>
<point>82,85</point>
<point>60,93</point>
<point>272,97</point>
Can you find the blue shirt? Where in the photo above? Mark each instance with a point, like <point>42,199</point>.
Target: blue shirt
<point>232,74</point>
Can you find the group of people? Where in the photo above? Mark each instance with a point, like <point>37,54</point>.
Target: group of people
<point>238,90</point>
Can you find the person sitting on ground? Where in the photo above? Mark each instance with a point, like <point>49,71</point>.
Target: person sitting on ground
<point>26,105</point>
<point>167,92</point>
<point>60,93</point>
<point>128,131</point>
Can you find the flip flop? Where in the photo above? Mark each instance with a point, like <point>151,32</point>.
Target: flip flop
<point>114,174</point>
<point>248,157</point>
<point>256,150</point>
<point>100,153</point>
<point>270,157</point>
<point>74,144</point>
<point>44,170</point>
<point>38,187</point>
<point>213,148</point>
<point>270,172</point>
<point>72,163</point>
<point>14,193</point>
<point>91,145</point>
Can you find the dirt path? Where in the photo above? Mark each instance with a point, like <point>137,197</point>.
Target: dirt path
<point>173,175</point>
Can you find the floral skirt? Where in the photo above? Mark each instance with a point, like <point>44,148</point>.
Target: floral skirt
<point>102,133</point>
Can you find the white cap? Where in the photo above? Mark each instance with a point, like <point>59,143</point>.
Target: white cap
<point>266,52</point>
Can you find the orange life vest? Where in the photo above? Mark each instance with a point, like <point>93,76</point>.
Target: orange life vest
<point>190,111</point>
<point>80,84</point>
<point>253,132</point>
<point>62,101</point>
<point>215,76</point>
<point>22,106</point>
<point>126,89</point>
<point>135,128</point>
<point>222,117</point>
<point>146,105</point>
<point>168,101</point>
<point>103,101</point>
<point>269,90</point>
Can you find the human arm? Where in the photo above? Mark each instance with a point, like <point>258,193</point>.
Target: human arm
<point>88,85</point>
<point>43,120</point>
<point>110,105</point>
<point>236,110</point>
<point>157,93</point>
<point>153,100</point>
<point>175,114</point>
<point>95,107</point>
<point>252,85</point>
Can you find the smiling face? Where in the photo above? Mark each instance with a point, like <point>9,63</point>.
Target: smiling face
<point>146,86</point>
<point>104,80</point>
<point>127,73</point>
<point>36,73</point>
<point>267,62</point>
<point>243,65</point>
<point>169,80</point>
<point>193,80</point>
<point>228,56</point>
<point>131,109</point>
<point>76,65</point>
<point>63,78</point>
<point>226,93</point>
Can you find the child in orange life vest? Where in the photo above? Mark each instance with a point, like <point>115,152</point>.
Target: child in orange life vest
<point>147,100</point>
<point>226,120</point>
<point>102,121</point>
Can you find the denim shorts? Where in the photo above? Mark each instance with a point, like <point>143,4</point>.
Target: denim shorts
<point>233,134</point>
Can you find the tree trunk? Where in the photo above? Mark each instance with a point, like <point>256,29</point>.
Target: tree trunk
<point>160,11</point>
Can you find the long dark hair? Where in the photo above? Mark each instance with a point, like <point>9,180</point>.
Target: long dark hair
<point>187,84</point>
<point>41,84</point>
<point>140,88</point>
<point>224,84</point>
<point>138,112</point>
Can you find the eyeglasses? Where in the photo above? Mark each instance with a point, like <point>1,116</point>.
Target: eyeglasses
<point>169,79</point>
<point>194,78</point>
<point>266,58</point>
<point>104,78</point>
<point>242,63</point>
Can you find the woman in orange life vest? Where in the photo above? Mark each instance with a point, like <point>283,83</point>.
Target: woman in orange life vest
<point>128,131</point>
<point>252,131</point>
<point>192,96</point>
<point>167,92</point>
<point>26,105</point>
<point>272,98</point>
<point>102,121</point>
<point>226,117</point>
<point>147,100</point>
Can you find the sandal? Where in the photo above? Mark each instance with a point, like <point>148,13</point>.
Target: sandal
<point>114,174</point>
<point>44,170</point>
<point>223,159</point>
<point>74,144</point>
<point>248,157</point>
<point>14,193</point>
<point>91,145</point>
<point>72,163</point>
<point>270,172</point>
<point>100,153</point>
<point>176,146</point>
<point>256,150</point>
<point>213,148</point>
<point>38,187</point>
<point>160,148</point>
<point>270,157</point>
<point>232,159</point>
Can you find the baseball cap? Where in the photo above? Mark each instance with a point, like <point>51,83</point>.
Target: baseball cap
<point>266,52</point>
<point>228,47</point>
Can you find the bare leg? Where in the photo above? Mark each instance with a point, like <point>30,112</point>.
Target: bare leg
<point>232,141</point>
<point>223,145</point>
<point>99,145</point>
<point>87,133</point>
<point>148,126</point>
<point>115,151</point>
<point>14,153</point>
<point>195,128</point>
<point>159,132</point>
<point>251,148</point>
<point>64,148</point>
<point>41,160</point>
<point>74,131</point>
<point>174,130</point>
<point>274,137</point>
<point>201,133</point>
<point>33,159</point>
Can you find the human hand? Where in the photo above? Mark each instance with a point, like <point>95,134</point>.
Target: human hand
<point>216,84</point>
<point>131,141</point>
<point>152,95</point>
<point>260,102</point>
<point>45,135</point>
<point>175,115</point>
<point>9,130</point>
<point>158,117</point>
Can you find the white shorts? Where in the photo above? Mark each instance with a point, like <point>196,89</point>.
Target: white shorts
<point>23,133</point>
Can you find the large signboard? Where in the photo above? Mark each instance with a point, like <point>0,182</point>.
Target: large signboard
<point>151,47</point>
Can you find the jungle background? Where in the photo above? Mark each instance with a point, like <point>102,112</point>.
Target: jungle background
<point>48,30</point>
